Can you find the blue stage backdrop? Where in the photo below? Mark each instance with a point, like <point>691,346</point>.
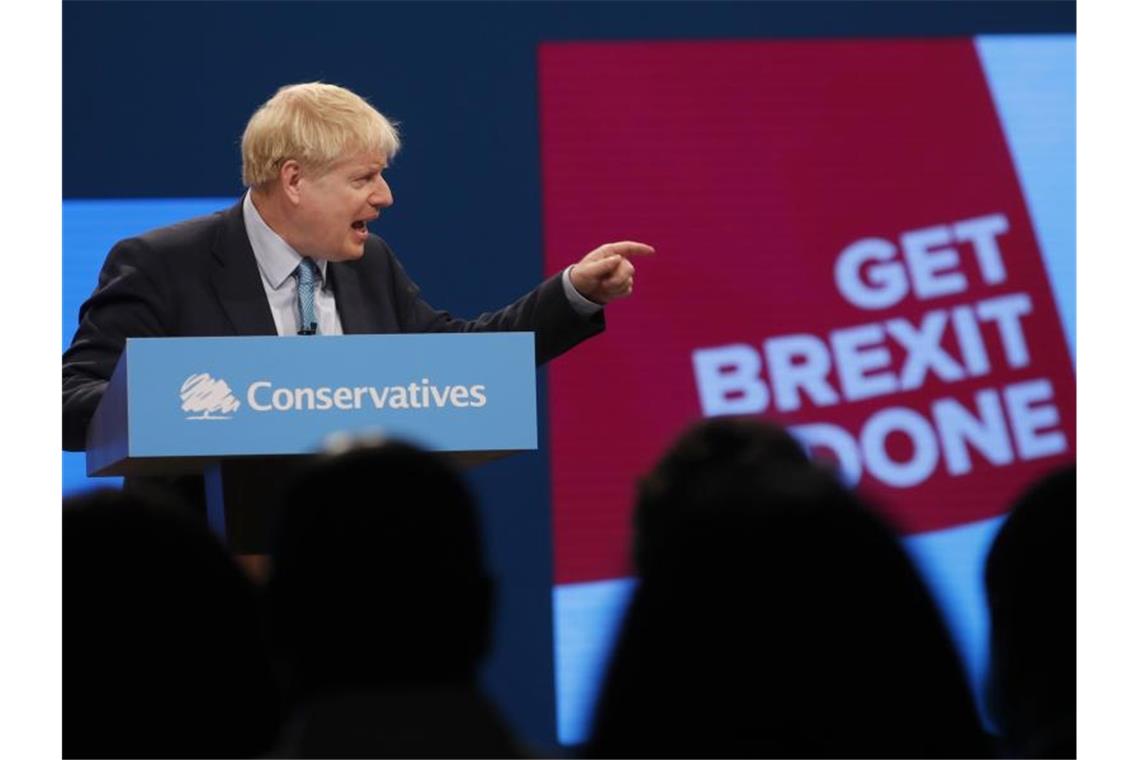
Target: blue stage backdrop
<point>156,96</point>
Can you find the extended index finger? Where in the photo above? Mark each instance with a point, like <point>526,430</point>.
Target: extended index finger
<point>628,248</point>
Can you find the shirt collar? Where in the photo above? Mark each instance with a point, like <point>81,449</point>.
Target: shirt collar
<point>276,259</point>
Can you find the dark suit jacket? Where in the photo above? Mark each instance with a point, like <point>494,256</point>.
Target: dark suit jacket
<point>200,278</point>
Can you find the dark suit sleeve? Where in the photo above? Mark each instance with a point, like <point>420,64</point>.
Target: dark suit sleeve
<point>129,301</point>
<point>544,310</point>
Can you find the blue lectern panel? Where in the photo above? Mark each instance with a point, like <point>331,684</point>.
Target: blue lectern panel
<point>203,397</point>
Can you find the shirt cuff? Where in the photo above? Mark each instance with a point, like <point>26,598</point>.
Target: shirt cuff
<point>584,306</point>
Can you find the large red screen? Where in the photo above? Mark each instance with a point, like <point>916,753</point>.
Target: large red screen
<point>843,246</point>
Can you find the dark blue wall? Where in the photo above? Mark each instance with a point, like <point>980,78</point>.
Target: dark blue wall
<point>156,96</point>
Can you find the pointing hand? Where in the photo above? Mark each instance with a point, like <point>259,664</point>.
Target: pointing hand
<point>606,273</point>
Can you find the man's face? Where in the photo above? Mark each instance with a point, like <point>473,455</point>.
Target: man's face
<point>332,214</point>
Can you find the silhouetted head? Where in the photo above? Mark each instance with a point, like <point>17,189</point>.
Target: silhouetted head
<point>162,655</point>
<point>378,573</point>
<point>777,617</point>
<point>1031,584</point>
<point>718,464</point>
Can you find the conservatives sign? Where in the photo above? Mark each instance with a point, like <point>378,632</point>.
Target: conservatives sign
<point>202,397</point>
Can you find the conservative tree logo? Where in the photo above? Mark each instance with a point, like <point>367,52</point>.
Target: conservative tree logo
<point>204,398</point>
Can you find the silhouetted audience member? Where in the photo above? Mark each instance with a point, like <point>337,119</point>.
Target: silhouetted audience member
<point>381,608</point>
<point>720,462</point>
<point>1031,584</point>
<point>775,617</point>
<point>162,648</point>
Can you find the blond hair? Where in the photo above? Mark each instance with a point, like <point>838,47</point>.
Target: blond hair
<point>315,124</point>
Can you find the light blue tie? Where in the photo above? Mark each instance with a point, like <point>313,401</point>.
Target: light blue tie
<point>308,275</point>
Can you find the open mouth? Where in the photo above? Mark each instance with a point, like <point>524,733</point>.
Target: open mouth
<point>360,225</point>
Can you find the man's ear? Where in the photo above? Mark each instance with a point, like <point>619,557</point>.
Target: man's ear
<point>290,175</point>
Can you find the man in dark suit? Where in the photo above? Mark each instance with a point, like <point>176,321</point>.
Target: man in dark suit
<point>295,256</point>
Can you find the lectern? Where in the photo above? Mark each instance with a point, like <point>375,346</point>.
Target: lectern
<point>245,412</point>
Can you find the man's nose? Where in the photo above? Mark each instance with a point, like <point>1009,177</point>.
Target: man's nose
<point>381,196</point>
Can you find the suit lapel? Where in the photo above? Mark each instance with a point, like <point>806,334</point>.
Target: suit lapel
<point>236,279</point>
<point>357,315</point>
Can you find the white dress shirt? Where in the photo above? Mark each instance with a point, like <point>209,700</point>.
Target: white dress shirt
<point>276,260</point>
